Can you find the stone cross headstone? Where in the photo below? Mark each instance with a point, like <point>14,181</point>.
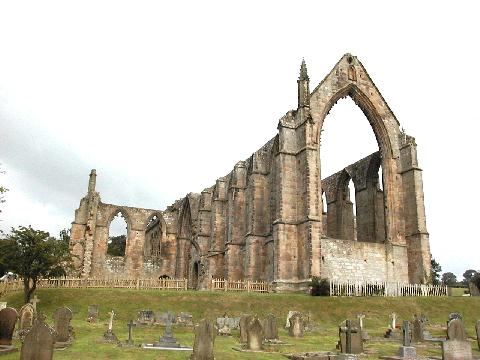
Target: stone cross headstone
<point>406,351</point>
<point>477,329</point>
<point>62,317</point>
<point>34,302</point>
<point>456,350</point>
<point>130,325</point>
<point>393,317</point>
<point>360,318</point>
<point>271,328</point>
<point>8,319</point>
<point>456,330</point>
<point>204,341</point>
<point>3,305</point>
<point>254,335</point>
<point>92,313</point>
<point>417,332</point>
<point>38,343</point>
<point>296,326</point>
<point>349,343</point>
<point>244,320</point>
<point>27,314</point>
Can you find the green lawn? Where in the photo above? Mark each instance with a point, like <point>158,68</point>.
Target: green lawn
<point>325,312</point>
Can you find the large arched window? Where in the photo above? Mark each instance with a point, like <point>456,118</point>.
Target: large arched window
<point>117,236</point>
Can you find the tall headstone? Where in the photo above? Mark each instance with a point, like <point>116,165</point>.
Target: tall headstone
<point>456,330</point>
<point>130,325</point>
<point>8,319</point>
<point>360,318</point>
<point>244,320</point>
<point>406,351</point>
<point>477,329</point>
<point>393,318</point>
<point>62,317</point>
<point>417,331</point>
<point>109,335</point>
<point>350,338</point>
<point>38,343</point>
<point>254,334</point>
<point>296,326</point>
<point>93,312</point>
<point>26,315</point>
<point>271,328</point>
<point>456,350</point>
<point>204,341</point>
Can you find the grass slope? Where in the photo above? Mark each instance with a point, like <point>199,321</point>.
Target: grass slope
<point>327,313</point>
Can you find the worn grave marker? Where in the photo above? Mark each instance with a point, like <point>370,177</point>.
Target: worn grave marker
<point>456,330</point>
<point>244,320</point>
<point>271,328</point>
<point>62,317</point>
<point>8,319</point>
<point>204,341</point>
<point>456,350</point>
<point>93,313</point>
<point>296,325</point>
<point>350,338</point>
<point>38,343</point>
<point>254,335</point>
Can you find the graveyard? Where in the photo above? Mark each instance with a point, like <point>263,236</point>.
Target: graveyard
<point>85,333</point>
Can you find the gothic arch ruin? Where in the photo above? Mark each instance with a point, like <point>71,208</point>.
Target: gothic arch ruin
<point>265,219</point>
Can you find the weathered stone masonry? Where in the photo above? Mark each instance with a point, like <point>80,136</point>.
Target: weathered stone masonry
<point>265,219</point>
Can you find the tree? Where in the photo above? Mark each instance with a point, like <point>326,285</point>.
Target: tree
<point>468,275</point>
<point>449,279</point>
<point>476,279</point>
<point>116,245</point>
<point>34,254</point>
<point>435,272</point>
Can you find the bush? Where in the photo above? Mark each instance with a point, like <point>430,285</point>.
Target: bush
<point>319,287</point>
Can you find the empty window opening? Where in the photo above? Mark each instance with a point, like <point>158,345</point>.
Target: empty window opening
<point>117,238</point>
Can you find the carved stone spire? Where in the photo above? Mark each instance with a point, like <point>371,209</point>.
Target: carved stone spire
<point>303,87</point>
<point>92,181</point>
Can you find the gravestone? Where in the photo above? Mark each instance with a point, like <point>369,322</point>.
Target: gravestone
<point>473,288</point>
<point>185,319</point>
<point>456,330</point>
<point>8,319</point>
<point>364,332</point>
<point>271,328</point>
<point>393,324</point>
<point>350,338</point>
<point>92,316</point>
<point>27,313</point>
<point>167,339</point>
<point>3,305</point>
<point>145,317</point>
<point>254,335</point>
<point>406,351</point>
<point>289,315</point>
<point>62,317</point>
<point>38,343</point>
<point>204,341</point>
<point>244,320</point>
<point>417,331</point>
<point>296,326</point>
<point>477,329</point>
<point>109,335</point>
<point>456,350</point>
<point>130,325</point>
<point>231,323</point>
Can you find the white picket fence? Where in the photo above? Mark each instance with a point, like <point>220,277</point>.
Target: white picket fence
<point>341,288</point>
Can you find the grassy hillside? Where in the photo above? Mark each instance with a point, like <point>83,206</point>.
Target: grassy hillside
<point>326,313</point>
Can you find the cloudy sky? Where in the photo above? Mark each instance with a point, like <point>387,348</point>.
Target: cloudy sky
<point>163,98</point>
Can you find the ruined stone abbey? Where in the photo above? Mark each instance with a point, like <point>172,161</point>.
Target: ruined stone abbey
<point>265,220</point>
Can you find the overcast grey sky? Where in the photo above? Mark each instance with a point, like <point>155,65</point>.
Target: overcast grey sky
<point>163,98</point>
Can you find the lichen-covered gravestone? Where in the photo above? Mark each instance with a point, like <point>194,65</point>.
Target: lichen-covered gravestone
<point>244,320</point>
<point>254,335</point>
<point>271,328</point>
<point>62,317</point>
<point>456,350</point>
<point>38,343</point>
<point>204,341</point>
<point>456,330</point>
<point>417,332</point>
<point>27,313</point>
<point>8,319</point>
<point>350,338</point>
<point>296,326</point>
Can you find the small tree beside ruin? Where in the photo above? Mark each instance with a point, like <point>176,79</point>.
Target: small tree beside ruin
<point>34,254</point>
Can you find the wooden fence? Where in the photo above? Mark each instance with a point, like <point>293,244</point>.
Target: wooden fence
<point>79,283</point>
<point>249,286</point>
<point>338,288</point>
